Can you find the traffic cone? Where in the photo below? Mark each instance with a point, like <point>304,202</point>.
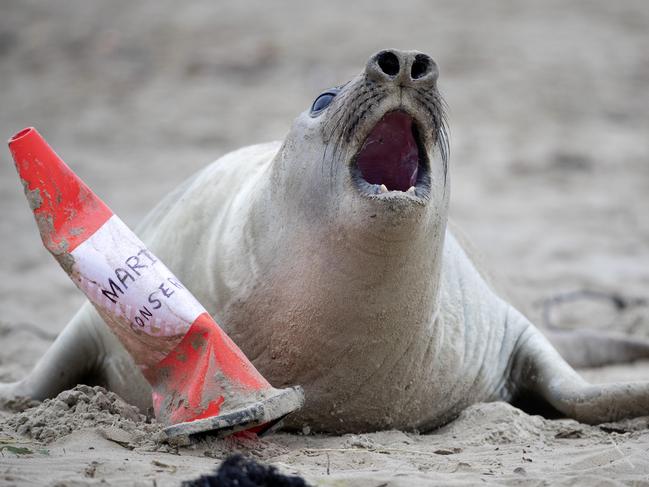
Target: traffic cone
<point>201,381</point>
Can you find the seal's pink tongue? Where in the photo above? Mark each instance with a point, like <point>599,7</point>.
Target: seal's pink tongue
<point>390,154</point>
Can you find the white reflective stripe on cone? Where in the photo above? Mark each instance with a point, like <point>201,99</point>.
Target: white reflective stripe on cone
<point>135,292</point>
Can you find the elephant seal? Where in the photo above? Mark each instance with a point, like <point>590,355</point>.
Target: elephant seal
<point>328,260</point>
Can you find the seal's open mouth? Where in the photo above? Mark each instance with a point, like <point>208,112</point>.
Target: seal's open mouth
<point>392,157</point>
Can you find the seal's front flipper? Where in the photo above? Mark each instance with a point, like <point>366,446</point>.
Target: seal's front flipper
<point>590,348</point>
<point>538,369</point>
<point>73,358</point>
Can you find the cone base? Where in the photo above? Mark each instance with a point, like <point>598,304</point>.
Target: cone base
<point>266,412</point>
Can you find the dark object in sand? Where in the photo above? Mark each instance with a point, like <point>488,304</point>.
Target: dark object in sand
<point>238,471</point>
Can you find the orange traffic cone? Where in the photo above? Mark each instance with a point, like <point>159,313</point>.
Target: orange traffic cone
<point>201,380</point>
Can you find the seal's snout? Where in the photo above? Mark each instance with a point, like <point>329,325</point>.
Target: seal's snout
<point>386,124</point>
<point>403,68</point>
<point>405,118</point>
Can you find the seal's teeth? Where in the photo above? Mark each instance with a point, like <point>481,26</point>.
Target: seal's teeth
<point>411,190</point>
<point>383,189</point>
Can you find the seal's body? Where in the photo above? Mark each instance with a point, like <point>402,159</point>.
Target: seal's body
<point>327,259</point>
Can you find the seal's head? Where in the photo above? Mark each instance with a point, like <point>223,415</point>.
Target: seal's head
<point>377,145</point>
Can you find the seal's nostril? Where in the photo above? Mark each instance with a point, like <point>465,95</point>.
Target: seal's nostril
<point>420,67</point>
<point>388,62</point>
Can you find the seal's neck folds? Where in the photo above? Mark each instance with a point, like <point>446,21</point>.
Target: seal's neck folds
<point>351,262</point>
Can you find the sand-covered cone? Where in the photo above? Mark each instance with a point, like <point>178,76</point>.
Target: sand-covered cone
<point>201,380</point>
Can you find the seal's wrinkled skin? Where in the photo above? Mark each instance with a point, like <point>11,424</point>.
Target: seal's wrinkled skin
<point>350,285</point>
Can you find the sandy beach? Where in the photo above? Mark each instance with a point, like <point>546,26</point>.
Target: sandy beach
<point>550,182</point>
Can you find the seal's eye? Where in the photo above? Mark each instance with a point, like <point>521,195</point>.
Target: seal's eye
<point>323,101</point>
